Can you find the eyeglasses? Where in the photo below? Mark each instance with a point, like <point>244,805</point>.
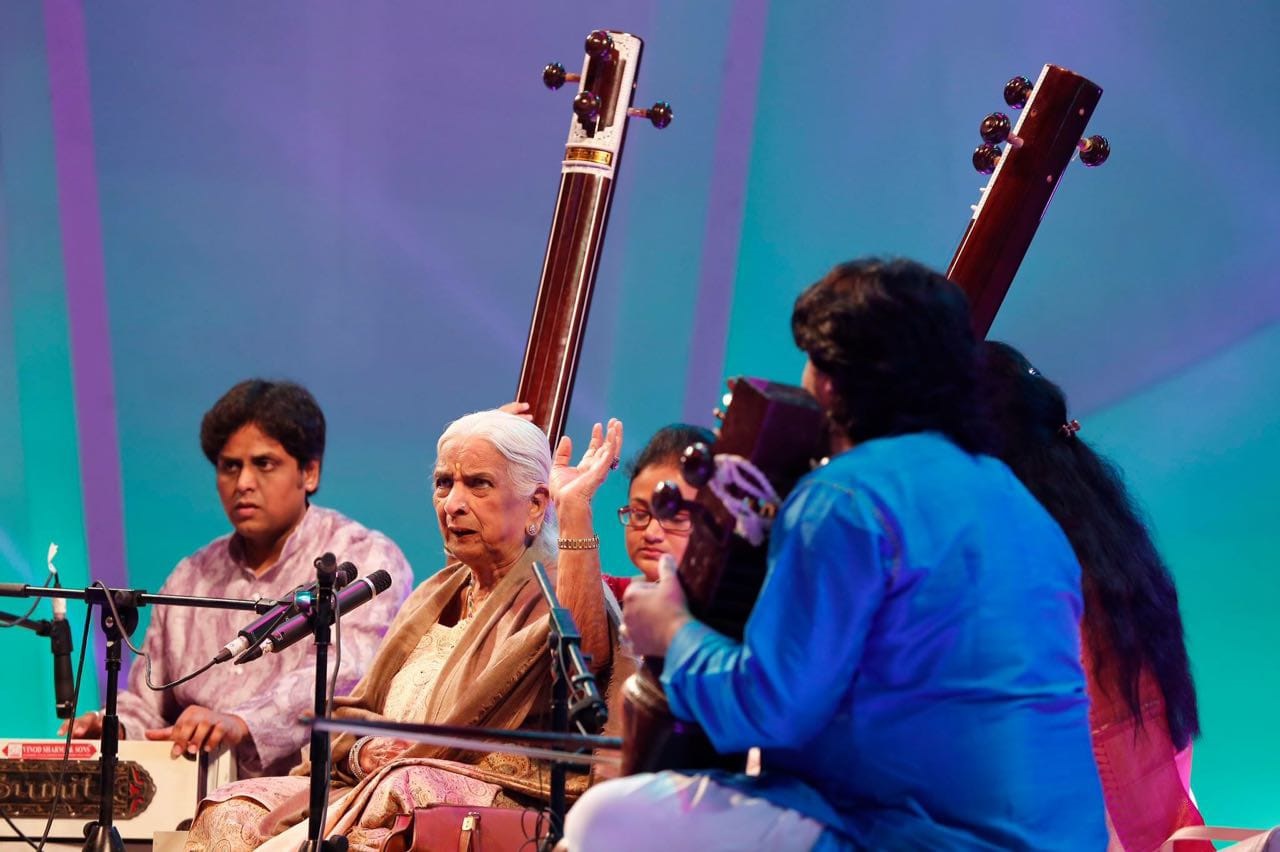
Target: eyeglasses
<point>637,518</point>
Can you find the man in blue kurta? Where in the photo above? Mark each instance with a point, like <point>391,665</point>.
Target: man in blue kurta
<point>911,668</point>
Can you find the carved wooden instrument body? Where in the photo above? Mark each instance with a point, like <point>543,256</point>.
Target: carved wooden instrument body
<point>782,431</point>
<point>596,134</point>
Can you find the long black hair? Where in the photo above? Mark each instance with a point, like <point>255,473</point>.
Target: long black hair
<point>895,338</point>
<point>1130,599</point>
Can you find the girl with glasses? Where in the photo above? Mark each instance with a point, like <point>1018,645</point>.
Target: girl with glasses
<point>649,537</point>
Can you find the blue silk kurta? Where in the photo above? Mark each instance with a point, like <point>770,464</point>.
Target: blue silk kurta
<point>912,666</point>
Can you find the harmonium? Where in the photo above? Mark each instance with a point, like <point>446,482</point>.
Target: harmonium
<point>154,792</point>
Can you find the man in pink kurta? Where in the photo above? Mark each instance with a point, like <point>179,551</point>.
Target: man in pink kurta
<point>270,693</point>
<point>266,442</point>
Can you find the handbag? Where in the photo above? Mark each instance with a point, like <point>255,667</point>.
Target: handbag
<point>461,828</point>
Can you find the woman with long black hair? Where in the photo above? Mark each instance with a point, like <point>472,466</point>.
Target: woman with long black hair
<point>1142,699</point>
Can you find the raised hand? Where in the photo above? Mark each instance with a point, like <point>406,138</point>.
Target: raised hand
<point>519,409</point>
<point>578,483</point>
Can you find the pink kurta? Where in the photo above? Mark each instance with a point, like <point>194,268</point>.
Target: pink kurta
<point>271,692</point>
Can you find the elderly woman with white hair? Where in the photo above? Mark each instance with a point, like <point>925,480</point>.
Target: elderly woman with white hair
<point>467,648</point>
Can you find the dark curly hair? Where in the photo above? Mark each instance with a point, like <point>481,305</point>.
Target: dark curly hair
<point>284,411</point>
<point>667,445</point>
<point>895,339</point>
<point>1130,600</point>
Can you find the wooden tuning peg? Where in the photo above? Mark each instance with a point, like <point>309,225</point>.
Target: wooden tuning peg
<point>697,464</point>
<point>1017,92</point>
<point>600,45</point>
<point>586,106</point>
<point>997,128</point>
<point>667,500</point>
<point>660,114</point>
<point>985,158</point>
<point>554,76</point>
<point>1094,150</point>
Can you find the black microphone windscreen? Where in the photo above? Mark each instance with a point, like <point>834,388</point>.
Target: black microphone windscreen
<point>381,580</point>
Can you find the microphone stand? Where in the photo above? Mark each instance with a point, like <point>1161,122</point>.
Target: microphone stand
<point>323,614</point>
<point>102,836</point>
<point>568,669</point>
<point>59,641</point>
<point>42,626</point>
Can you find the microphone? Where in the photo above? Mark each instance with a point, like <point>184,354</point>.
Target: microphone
<point>254,633</point>
<point>64,685</point>
<point>293,630</point>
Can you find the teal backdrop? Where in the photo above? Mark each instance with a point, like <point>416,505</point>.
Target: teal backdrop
<point>356,196</point>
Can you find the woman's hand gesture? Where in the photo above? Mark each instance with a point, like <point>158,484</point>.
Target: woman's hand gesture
<point>578,483</point>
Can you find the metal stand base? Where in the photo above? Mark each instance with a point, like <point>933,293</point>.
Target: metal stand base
<point>103,838</point>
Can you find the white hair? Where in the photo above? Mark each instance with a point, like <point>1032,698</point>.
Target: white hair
<point>528,455</point>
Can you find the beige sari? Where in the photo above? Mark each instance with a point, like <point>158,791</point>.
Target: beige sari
<point>497,676</point>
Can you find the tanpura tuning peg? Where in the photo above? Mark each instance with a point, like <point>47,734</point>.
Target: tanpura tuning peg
<point>1017,91</point>
<point>1094,150</point>
<point>985,158</point>
<point>660,114</point>
<point>586,106</point>
<point>996,128</point>
<point>667,500</point>
<point>697,464</point>
<point>554,76</point>
<point>600,45</point>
